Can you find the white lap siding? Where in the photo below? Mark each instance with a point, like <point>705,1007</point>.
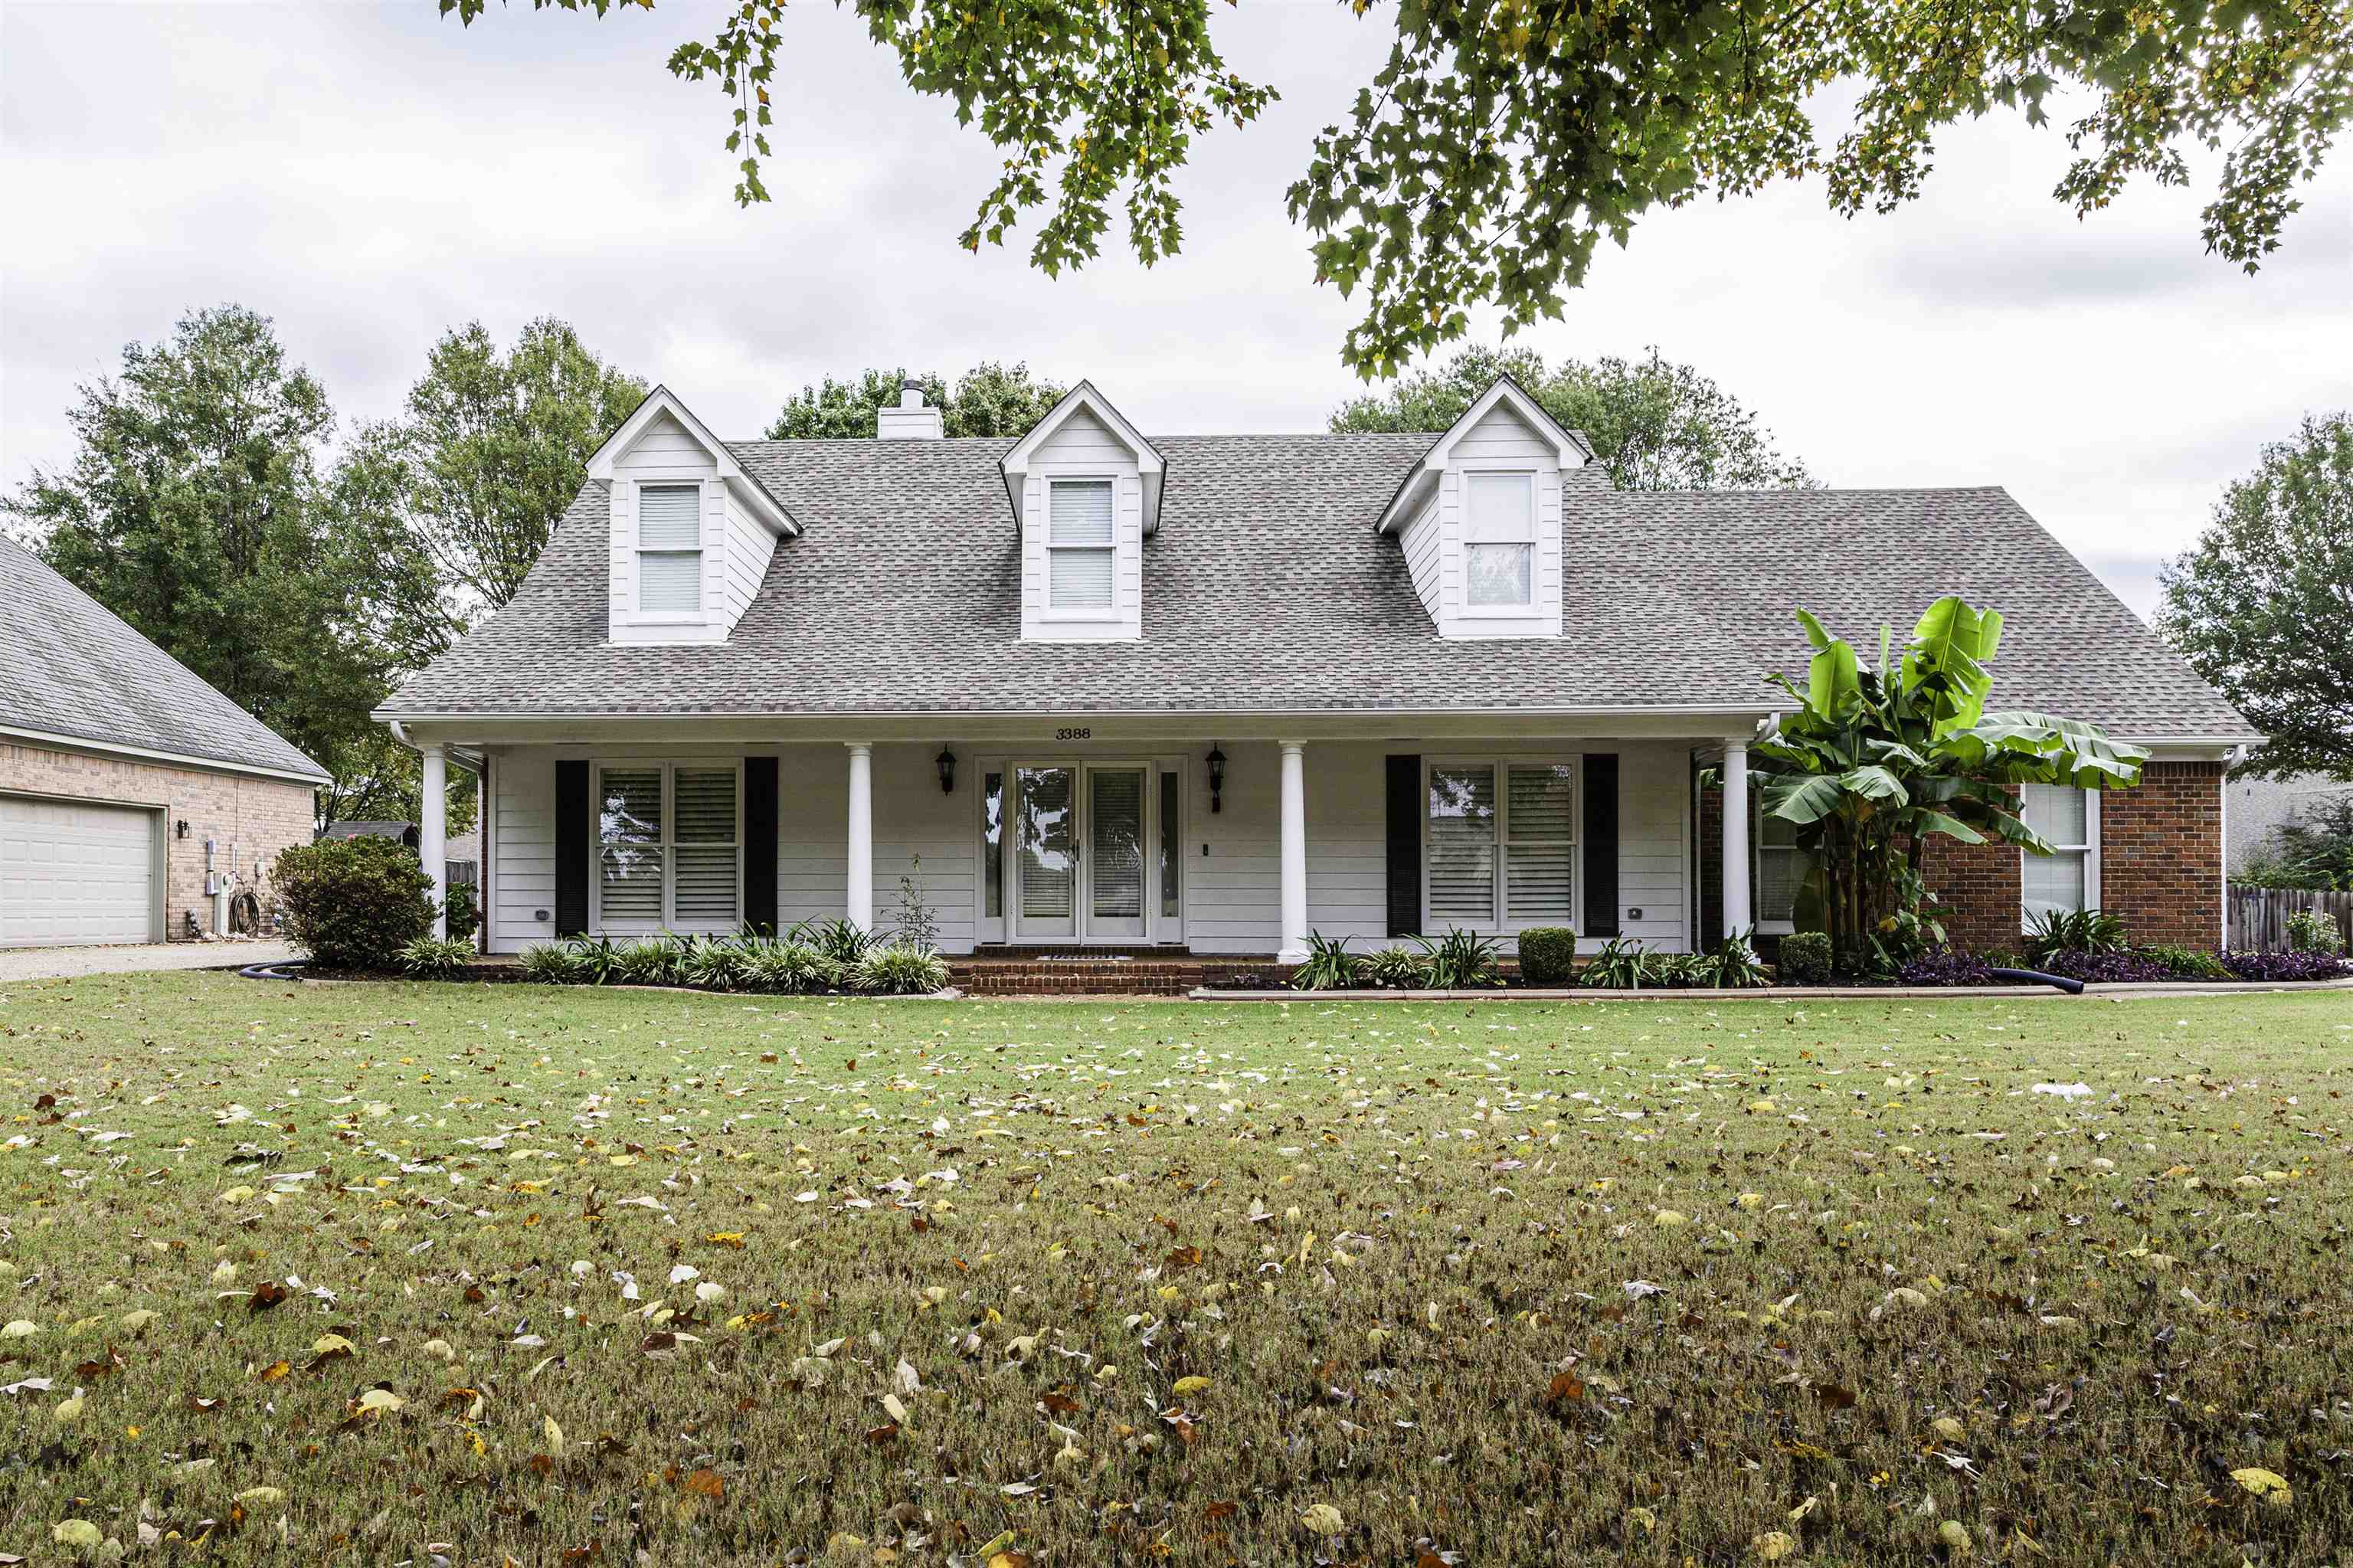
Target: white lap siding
<point>1232,893</point>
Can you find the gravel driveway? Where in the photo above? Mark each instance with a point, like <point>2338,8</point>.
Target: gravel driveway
<point>63,963</point>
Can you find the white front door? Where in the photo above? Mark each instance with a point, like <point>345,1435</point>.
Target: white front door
<point>1080,873</point>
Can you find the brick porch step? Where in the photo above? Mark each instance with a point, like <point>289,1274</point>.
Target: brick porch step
<point>1149,972</point>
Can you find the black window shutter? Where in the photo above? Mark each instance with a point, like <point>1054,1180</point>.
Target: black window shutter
<point>1600,844</point>
<point>572,849</point>
<point>1405,846</point>
<point>760,843</point>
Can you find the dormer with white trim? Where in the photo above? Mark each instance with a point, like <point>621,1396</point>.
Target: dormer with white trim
<point>1479,518</point>
<point>691,530</point>
<point>1084,486</point>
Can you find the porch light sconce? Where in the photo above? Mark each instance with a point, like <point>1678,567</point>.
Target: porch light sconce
<point>946,760</point>
<point>1217,761</point>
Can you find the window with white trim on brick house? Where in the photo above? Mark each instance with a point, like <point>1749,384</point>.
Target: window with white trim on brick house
<point>2068,879</point>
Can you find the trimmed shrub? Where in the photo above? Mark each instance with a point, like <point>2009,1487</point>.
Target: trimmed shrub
<point>2310,931</point>
<point>1805,959</point>
<point>354,904</point>
<point>436,957</point>
<point>901,968</point>
<point>1547,954</point>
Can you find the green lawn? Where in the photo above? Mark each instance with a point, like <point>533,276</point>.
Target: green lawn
<point>380,1273</point>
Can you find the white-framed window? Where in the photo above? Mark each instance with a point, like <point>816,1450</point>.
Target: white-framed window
<point>1499,541</point>
<point>670,846</point>
<point>669,549</point>
<point>1782,870</point>
<point>1499,846</point>
<point>1081,546</point>
<point>2069,820</point>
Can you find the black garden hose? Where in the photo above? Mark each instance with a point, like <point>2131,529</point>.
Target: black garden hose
<point>283,970</point>
<point>2036,977</point>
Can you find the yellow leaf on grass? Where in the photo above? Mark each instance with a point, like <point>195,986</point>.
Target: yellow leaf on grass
<point>21,1329</point>
<point>1324,1519</point>
<point>1190,1384</point>
<point>2268,1485</point>
<point>260,1497</point>
<point>1956,1535</point>
<point>76,1533</point>
<point>1949,1429</point>
<point>1669,1218</point>
<point>1774,1546</point>
<point>555,1435</point>
<point>70,1410</point>
<point>381,1399</point>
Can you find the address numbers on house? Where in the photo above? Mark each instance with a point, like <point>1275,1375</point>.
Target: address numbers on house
<point>1074,732</point>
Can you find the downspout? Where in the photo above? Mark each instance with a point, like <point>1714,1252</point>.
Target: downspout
<point>2230,760</point>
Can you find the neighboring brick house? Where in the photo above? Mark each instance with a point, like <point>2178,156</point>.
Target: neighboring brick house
<point>1106,695</point>
<point>130,789</point>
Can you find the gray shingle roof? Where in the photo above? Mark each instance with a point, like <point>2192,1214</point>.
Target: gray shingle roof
<point>1266,589</point>
<point>69,667</point>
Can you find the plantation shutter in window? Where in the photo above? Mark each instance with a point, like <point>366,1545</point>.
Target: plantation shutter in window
<point>704,840</point>
<point>1405,846</point>
<point>670,547</point>
<point>1461,878</point>
<point>1540,862</point>
<point>1781,868</point>
<point>2057,883</point>
<point>760,842</point>
<point>575,846</point>
<point>629,851</point>
<point>1600,844</point>
<point>1080,556</point>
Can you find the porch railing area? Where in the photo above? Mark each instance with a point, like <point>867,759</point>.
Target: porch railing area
<point>2259,914</point>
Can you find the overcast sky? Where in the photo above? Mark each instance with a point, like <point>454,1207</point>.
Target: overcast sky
<point>369,175</point>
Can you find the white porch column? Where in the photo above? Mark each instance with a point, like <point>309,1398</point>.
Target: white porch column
<point>433,829</point>
<point>862,834</point>
<point>1737,916</point>
<point>1295,853</point>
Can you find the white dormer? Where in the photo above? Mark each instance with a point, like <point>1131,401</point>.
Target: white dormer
<point>1479,518</point>
<point>691,530</point>
<point>1086,489</point>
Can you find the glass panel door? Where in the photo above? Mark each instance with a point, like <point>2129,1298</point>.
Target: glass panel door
<point>1115,852</point>
<point>1045,853</point>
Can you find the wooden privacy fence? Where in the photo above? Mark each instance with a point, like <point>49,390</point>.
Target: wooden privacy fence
<point>2259,915</point>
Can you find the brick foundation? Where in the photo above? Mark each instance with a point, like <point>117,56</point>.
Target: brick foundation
<point>2160,866</point>
<point>249,819</point>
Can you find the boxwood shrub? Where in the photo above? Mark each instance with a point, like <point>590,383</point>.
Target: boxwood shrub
<point>354,904</point>
<point>1547,954</point>
<point>1805,959</point>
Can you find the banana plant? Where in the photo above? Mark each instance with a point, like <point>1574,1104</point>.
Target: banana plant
<point>1876,760</point>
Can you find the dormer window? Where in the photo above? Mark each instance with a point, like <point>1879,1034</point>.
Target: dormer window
<point>691,530</point>
<point>1479,518</point>
<point>1084,488</point>
<point>1500,541</point>
<point>669,549</point>
<point>1081,552</point>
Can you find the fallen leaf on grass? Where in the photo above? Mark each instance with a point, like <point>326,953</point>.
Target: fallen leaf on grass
<point>1324,1519</point>
<point>2268,1485</point>
<point>1774,1546</point>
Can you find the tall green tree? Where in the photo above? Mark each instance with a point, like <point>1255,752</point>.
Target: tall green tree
<point>1654,424</point>
<point>463,488</point>
<point>2263,606</point>
<point>1504,139</point>
<point>989,399</point>
<point>192,510</point>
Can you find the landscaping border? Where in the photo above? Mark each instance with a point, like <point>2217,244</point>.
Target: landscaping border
<point>1780,993</point>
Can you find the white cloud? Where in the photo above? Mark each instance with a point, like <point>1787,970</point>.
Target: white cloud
<point>371,175</point>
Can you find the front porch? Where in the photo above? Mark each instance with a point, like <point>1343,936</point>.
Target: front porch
<point>1067,855</point>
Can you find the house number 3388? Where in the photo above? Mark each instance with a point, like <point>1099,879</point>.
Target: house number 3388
<point>1077,732</point>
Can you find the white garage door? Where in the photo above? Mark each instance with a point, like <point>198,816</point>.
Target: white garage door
<point>71,873</point>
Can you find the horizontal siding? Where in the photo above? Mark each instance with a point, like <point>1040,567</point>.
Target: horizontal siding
<point>664,448</point>
<point>1081,440</point>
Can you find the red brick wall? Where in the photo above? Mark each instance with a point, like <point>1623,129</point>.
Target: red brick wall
<point>2161,854</point>
<point>249,819</point>
<point>2160,866</point>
